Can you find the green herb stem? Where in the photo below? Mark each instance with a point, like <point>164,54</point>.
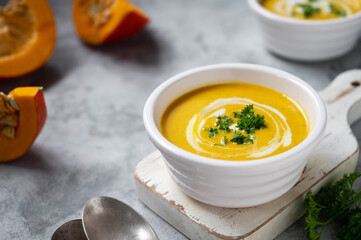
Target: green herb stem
<point>339,202</point>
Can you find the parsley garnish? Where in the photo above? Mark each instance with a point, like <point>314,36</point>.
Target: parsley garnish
<point>337,11</point>
<point>247,111</point>
<point>239,138</point>
<point>212,132</point>
<point>249,121</point>
<point>223,123</point>
<point>308,10</point>
<point>338,202</point>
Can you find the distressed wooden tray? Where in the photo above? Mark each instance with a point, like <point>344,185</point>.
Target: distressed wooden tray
<point>337,154</point>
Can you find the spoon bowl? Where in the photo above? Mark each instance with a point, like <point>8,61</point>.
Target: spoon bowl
<point>107,218</point>
<point>69,231</point>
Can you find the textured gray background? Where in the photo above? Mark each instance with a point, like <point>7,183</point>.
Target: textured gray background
<point>94,135</point>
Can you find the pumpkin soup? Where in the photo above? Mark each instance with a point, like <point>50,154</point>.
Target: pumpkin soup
<point>313,9</point>
<point>235,121</point>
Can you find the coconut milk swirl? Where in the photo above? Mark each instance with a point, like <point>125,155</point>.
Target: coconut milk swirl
<point>282,137</point>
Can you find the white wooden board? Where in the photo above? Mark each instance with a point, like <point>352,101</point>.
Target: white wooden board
<point>337,154</point>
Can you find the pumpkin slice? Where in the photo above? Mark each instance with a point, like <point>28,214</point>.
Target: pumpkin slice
<point>104,21</point>
<point>22,116</point>
<point>27,36</point>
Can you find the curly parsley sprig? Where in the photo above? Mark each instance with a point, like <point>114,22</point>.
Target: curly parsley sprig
<point>239,138</point>
<point>247,122</point>
<point>338,202</point>
<point>335,10</point>
<point>308,9</point>
<point>311,8</point>
<point>223,123</point>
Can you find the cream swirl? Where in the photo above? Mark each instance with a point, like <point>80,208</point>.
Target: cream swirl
<point>281,138</point>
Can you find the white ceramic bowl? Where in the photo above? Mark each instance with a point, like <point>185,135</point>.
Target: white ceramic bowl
<point>235,183</point>
<point>307,40</point>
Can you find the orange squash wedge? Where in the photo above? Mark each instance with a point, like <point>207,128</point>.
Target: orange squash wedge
<point>27,37</point>
<point>105,21</point>
<point>22,116</point>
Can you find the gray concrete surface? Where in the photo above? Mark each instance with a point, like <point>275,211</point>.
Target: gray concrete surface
<point>94,135</point>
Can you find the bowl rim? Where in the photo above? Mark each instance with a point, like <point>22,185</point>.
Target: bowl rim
<point>255,5</point>
<point>171,149</point>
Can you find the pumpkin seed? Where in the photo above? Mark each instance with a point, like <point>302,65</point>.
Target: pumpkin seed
<point>10,120</point>
<point>7,103</point>
<point>14,104</point>
<point>8,132</point>
<point>8,115</point>
<point>98,10</point>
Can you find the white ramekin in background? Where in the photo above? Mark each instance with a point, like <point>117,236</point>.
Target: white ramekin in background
<point>307,40</point>
<point>235,183</point>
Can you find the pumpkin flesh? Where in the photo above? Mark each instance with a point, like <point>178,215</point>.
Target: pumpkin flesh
<point>104,21</point>
<point>31,119</point>
<point>27,36</point>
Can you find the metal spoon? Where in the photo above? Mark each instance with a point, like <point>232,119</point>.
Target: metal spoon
<point>70,231</point>
<point>107,218</point>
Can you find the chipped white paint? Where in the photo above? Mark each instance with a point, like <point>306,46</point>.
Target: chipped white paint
<point>336,154</point>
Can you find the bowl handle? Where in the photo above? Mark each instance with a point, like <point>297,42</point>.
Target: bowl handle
<point>343,96</point>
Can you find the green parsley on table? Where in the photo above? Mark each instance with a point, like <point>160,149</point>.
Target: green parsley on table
<point>339,202</point>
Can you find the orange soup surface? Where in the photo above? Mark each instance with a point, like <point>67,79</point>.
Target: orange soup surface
<point>235,121</point>
<point>313,9</point>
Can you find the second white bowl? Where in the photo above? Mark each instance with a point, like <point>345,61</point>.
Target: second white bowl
<point>307,40</point>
